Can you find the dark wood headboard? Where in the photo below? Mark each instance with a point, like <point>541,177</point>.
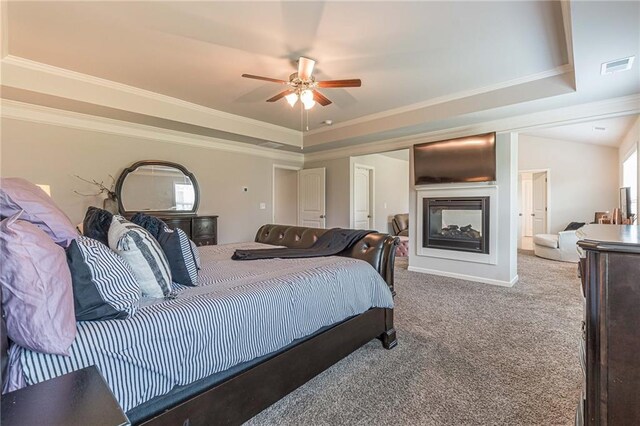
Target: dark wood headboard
<point>379,250</point>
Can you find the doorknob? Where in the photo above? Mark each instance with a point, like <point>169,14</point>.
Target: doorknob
<point>368,216</point>
<point>322,216</point>
<point>533,214</point>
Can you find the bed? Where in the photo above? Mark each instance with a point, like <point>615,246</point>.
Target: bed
<point>248,335</point>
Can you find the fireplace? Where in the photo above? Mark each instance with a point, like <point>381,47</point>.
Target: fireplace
<point>460,224</point>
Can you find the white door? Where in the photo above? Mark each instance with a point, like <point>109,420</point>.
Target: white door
<point>362,210</point>
<point>527,196</point>
<point>311,198</point>
<point>539,201</point>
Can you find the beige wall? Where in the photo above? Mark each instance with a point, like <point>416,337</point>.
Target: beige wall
<point>630,142</point>
<point>391,185</point>
<point>584,177</point>
<point>337,190</point>
<point>52,155</point>
<point>391,176</point>
<point>285,196</point>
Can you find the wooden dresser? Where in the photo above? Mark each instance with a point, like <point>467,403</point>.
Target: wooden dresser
<point>610,347</point>
<point>203,230</point>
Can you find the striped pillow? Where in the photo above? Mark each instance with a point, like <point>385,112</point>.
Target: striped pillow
<point>144,254</point>
<point>177,247</point>
<point>104,286</point>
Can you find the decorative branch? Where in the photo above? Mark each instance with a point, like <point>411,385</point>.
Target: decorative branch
<point>100,185</point>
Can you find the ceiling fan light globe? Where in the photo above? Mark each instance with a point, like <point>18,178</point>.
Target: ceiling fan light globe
<point>306,96</point>
<point>292,98</point>
<point>309,104</point>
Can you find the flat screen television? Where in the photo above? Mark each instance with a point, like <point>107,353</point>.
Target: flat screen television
<point>468,159</point>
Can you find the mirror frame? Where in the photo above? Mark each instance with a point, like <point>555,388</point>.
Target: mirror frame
<point>135,166</point>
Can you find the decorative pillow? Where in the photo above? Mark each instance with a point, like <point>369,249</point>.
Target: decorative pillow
<point>152,224</point>
<point>144,254</point>
<point>36,288</point>
<point>96,224</point>
<point>18,194</point>
<point>104,286</point>
<point>196,254</point>
<point>573,226</point>
<point>182,260</point>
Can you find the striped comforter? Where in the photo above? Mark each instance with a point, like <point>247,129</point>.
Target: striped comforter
<point>240,311</point>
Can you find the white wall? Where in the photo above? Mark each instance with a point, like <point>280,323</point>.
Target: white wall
<point>629,143</point>
<point>391,177</point>
<point>49,154</point>
<point>583,177</point>
<point>337,190</point>
<point>504,272</point>
<point>285,196</point>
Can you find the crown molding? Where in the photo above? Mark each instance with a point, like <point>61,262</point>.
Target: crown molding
<point>4,29</point>
<point>556,117</point>
<point>44,115</point>
<point>565,7</point>
<point>43,78</point>
<point>563,69</point>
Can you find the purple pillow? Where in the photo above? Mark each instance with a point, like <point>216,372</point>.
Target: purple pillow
<point>37,295</point>
<point>18,194</point>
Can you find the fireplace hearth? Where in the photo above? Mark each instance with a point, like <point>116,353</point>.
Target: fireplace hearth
<point>460,224</point>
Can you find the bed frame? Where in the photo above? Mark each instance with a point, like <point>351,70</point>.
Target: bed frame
<point>244,395</point>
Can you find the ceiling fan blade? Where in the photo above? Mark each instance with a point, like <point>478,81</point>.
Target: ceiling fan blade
<point>355,82</point>
<point>257,77</point>
<point>279,96</point>
<point>320,98</point>
<point>305,68</point>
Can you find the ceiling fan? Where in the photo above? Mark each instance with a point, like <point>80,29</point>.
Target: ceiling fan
<point>303,86</point>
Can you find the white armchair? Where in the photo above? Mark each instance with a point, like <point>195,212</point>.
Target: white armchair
<point>561,246</point>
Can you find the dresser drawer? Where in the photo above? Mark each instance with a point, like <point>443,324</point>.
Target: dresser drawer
<point>204,228</point>
<point>205,241</point>
<point>183,223</point>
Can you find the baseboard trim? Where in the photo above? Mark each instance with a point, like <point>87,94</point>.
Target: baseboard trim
<point>465,277</point>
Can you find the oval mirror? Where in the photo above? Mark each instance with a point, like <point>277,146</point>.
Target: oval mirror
<point>157,187</point>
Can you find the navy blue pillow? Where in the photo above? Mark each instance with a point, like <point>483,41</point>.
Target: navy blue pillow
<point>104,286</point>
<point>175,245</point>
<point>96,224</point>
<point>181,256</point>
<point>152,224</point>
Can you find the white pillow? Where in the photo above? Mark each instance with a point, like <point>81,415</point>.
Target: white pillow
<point>143,253</point>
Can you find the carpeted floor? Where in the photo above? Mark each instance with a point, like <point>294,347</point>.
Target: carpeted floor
<point>468,354</point>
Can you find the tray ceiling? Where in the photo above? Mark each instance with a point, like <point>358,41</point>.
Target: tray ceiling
<point>405,52</point>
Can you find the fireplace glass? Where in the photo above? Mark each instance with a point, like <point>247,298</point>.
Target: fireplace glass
<point>460,224</point>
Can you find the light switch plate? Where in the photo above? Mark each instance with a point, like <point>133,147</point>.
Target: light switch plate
<point>263,206</point>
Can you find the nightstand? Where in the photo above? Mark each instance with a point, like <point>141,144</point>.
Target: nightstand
<point>78,398</point>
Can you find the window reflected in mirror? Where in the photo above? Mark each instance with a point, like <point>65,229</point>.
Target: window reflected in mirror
<point>157,188</point>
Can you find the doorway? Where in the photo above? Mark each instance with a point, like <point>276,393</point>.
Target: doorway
<point>285,195</point>
<point>533,213</point>
<point>363,196</point>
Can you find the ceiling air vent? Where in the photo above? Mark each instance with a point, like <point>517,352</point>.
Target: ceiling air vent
<point>618,65</point>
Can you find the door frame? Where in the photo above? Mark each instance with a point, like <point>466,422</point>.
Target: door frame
<point>273,189</point>
<point>372,193</point>
<point>548,195</point>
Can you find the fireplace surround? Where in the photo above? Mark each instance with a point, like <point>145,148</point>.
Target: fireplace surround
<point>456,223</point>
